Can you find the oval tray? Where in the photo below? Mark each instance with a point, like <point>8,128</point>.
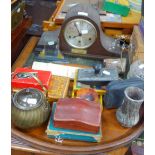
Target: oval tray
<point>114,136</point>
<point>36,140</point>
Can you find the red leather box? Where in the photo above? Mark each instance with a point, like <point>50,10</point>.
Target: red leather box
<point>20,80</point>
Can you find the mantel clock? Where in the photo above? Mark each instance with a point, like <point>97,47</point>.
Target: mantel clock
<point>81,34</point>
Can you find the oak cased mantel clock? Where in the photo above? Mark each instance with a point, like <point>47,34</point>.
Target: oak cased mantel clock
<point>81,34</point>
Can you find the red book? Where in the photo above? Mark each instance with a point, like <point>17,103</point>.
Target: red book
<point>78,114</point>
<point>21,80</point>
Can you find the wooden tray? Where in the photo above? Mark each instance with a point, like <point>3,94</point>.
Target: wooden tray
<point>36,140</point>
<point>114,136</point>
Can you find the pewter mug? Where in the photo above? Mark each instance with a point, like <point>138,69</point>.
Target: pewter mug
<point>128,113</point>
<point>29,108</point>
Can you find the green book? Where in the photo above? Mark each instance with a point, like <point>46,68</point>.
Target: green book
<point>53,132</point>
<point>120,7</point>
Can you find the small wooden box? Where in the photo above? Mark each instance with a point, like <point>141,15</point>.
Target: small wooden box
<point>21,79</point>
<point>58,87</point>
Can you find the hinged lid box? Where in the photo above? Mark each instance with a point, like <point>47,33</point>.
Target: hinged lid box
<point>22,80</point>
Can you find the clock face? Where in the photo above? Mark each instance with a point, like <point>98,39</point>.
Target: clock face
<point>80,33</point>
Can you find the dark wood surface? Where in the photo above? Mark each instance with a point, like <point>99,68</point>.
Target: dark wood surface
<point>40,10</point>
<point>18,38</point>
<point>35,140</point>
<point>27,50</point>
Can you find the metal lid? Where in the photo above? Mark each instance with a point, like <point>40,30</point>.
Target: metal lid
<point>27,99</point>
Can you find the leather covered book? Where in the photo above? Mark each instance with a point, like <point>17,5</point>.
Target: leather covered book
<point>78,114</point>
<point>60,134</point>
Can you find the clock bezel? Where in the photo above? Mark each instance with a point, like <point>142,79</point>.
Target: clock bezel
<point>87,21</point>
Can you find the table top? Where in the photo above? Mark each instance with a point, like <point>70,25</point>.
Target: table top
<point>127,22</point>
<point>36,140</point>
<point>125,26</point>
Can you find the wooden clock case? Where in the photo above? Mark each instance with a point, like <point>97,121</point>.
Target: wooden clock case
<point>101,47</point>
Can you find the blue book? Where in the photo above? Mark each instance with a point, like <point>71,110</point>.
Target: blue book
<point>61,133</point>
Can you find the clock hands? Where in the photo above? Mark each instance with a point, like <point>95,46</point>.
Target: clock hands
<point>80,34</point>
<point>76,36</point>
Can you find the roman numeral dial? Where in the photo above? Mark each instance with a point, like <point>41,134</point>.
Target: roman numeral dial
<point>80,33</point>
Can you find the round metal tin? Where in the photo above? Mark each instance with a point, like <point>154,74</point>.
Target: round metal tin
<point>28,98</point>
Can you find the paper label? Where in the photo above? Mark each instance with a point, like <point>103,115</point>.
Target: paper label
<point>115,62</point>
<point>62,15</point>
<point>83,13</point>
<point>141,66</point>
<point>111,18</point>
<point>84,31</point>
<point>71,5</point>
<point>32,101</point>
<point>51,43</point>
<point>18,10</point>
<point>106,72</point>
<point>24,75</point>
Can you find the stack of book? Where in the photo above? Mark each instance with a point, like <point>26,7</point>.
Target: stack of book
<point>68,131</point>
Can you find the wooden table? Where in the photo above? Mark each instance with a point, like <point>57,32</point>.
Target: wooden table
<point>115,137</point>
<point>111,28</point>
<point>19,38</point>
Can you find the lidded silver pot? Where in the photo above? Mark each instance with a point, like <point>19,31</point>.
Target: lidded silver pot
<point>30,108</point>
